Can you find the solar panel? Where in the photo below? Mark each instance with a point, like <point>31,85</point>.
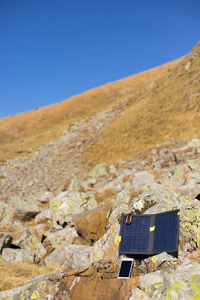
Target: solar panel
<point>149,234</point>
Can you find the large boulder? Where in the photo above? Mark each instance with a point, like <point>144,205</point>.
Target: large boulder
<point>90,224</point>
<point>185,282</point>
<point>67,204</point>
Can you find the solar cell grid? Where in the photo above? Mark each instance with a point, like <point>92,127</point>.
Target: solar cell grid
<point>135,237</point>
<point>166,232</point>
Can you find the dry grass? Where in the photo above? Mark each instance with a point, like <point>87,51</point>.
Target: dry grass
<point>156,110</point>
<point>17,274</point>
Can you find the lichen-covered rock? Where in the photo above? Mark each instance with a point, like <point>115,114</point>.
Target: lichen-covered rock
<point>66,235</point>
<point>155,284</point>
<point>32,244</point>
<point>176,177</point>
<point>24,209</point>
<point>185,282</point>
<point>5,240</point>
<point>16,255</point>
<point>90,224</point>
<point>156,201</point>
<point>69,256</point>
<point>67,204</point>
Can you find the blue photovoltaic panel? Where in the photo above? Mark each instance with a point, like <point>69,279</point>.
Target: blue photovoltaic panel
<point>166,231</point>
<point>135,237</point>
<point>150,234</point>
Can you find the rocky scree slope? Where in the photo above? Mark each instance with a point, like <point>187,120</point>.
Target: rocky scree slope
<point>74,225</point>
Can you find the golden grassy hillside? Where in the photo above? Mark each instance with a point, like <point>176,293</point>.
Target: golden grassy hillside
<point>161,104</point>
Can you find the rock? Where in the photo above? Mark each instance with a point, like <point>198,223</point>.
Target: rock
<point>5,217</point>
<point>195,256</point>
<point>66,235</point>
<point>16,255</point>
<point>145,202</point>
<point>20,236</point>
<point>138,294</point>
<point>68,256</point>
<point>184,282</point>
<point>24,209</point>
<point>142,180</point>
<point>75,185</point>
<point>115,185</point>
<point>3,207</point>
<point>90,224</point>
<point>39,230</point>
<point>67,204</point>
<point>45,197</point>
<point>43,216</point>
<point>5,240</point>
<point>33,245</point>
<point>98,171</point>
<point>163,260</point>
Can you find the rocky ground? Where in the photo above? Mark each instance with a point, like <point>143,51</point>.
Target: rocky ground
<point>57,211</point>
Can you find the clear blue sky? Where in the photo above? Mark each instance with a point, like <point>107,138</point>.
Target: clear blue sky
<point>51,50</point>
